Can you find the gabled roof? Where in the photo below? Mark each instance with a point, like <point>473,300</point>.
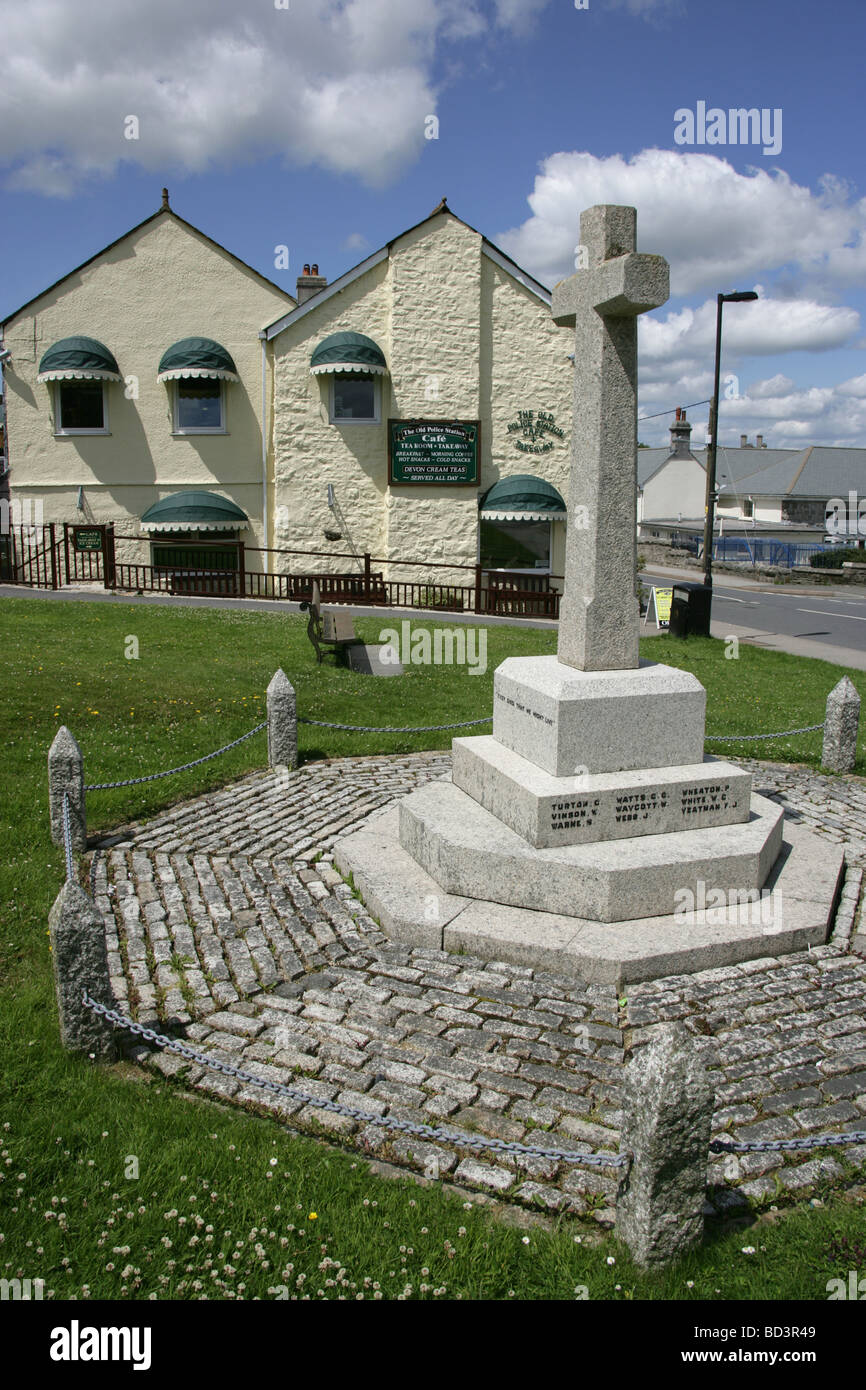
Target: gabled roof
<point>652,461</point>
<point>164,211</point>
<point>348,277</point>
<point>818,471</point>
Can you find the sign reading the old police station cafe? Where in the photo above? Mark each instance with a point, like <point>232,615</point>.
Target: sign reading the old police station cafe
<point>433,451</point>
<point>532,426</point>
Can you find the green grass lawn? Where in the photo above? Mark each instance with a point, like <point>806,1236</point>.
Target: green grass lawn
<point>223,1203</point>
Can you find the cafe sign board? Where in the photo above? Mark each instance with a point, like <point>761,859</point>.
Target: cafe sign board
<point>440,453</point>
<point>87,537</point>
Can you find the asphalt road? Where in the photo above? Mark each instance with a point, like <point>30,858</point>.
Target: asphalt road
<point>829,623</point>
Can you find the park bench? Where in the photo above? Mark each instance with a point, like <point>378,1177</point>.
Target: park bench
<point>330,629</point>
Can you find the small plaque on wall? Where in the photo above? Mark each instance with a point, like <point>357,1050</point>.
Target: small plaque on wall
<point>440,453</point>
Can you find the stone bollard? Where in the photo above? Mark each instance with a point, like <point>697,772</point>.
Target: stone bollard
<point>840,727</point>
<point>282,723</point>
<point>66,777</point>
<point>668,1103</point>
<point>80,960</point>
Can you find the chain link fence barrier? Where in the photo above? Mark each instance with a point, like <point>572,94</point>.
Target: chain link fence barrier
<point>430,1133</point>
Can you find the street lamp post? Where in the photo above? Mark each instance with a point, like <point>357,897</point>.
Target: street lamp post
<point>739,297</point>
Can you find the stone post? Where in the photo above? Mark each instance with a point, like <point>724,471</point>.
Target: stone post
<point>282,723</point>
<point>841,722</point>
<point>66,777</point>
<point>80,960</point>
<point>668,1103</point>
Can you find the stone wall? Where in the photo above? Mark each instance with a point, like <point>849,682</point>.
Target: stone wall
<point>463,339</point>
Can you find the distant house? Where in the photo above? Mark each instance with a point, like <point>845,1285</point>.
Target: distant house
<point>792,495</point>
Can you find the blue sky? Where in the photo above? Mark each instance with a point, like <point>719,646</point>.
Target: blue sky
<point>305,125</point>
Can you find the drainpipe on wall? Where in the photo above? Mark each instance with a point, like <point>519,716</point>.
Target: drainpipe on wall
<point>264,456</point>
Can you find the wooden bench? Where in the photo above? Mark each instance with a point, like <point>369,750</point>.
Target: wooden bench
<point>328,630</point>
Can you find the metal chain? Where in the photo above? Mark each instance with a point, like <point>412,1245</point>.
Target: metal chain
<point>152,777</point>
<point>93,863</point>
<point>429,1132</point>
<point>765,1146</point>
<point>396,729</point>
<point>740,738</point>
<point>67,840</point>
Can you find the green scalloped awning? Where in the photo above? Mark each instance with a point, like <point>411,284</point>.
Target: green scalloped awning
<point>522,497</point>
<point>348,352</point>
<point>78,358</point>
<point>197,357</point>
<point>194,511</point>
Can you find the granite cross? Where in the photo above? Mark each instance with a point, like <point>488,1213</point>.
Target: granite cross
<point>600,616</point>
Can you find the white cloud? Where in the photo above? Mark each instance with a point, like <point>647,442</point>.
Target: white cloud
<point>786,415</point>
<point>760,329</point>
<point>519,15</point>
<point>773,386</point>
<point>342,84</point>
<point>717,227</point>
<point>355,241</point>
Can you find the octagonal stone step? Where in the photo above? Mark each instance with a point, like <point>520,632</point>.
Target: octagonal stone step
<point>470,853</point>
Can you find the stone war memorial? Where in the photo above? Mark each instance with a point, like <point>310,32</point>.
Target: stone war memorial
<point>570,838</point>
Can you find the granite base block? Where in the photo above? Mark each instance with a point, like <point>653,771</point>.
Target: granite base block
<point>567,721</point>
<point>548,811</point>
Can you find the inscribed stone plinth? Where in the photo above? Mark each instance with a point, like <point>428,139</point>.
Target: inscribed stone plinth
<point>563,719</point>
<point>550,811</point>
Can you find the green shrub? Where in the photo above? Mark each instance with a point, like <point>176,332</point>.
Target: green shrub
<point>834,559</point>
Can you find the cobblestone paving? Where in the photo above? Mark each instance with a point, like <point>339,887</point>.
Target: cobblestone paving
<point>225,915</point>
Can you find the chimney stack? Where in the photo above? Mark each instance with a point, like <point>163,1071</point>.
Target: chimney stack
<point>680,434</point>
<point>310,283</point>
<point>759,441</point>
<point>744,442</point>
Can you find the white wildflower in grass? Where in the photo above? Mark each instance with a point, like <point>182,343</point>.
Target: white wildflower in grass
<point>611,1260</point>
<point>748,1249</point>
<point>525,1240</point>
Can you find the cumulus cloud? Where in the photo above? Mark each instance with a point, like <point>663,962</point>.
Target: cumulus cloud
<point>716,226</point>
<point>342,84</point>
<point>758,329</point>
<point>786,415</point>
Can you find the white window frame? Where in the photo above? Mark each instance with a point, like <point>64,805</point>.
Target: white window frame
<point>59,432</point>
<point>375,419</point>
<point>197,429</point>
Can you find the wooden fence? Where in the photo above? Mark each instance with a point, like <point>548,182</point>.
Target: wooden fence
<point>48,557</point>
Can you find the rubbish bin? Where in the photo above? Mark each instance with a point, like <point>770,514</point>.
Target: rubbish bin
<point>690,610</point>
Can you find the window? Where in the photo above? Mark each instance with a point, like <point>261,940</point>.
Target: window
<point>355,399</point>
<point>515,545</point>
<point>79,408</point>
<point>199,406</point>
<point>748,507</point>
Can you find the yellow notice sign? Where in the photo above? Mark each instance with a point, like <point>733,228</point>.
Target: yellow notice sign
<point>659,607</point>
